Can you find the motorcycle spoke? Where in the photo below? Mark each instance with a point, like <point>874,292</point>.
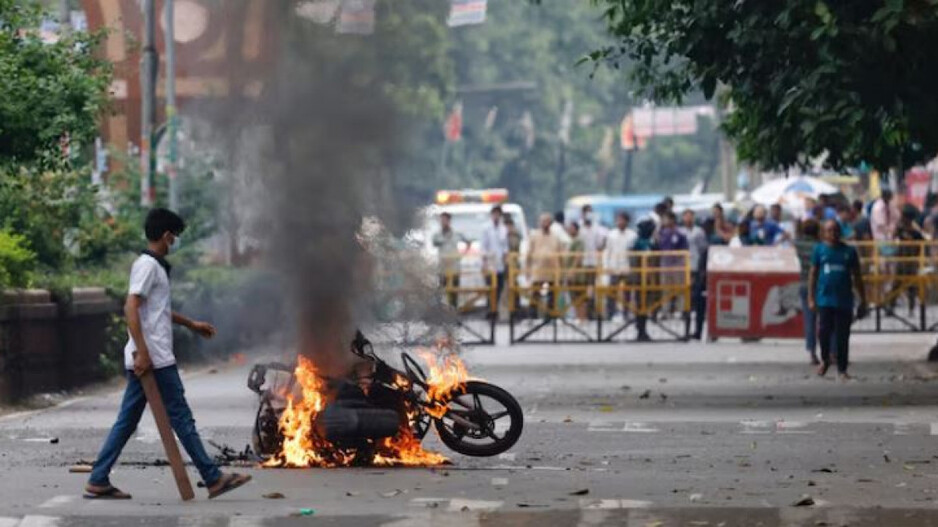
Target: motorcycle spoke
<point>499,415</point>
<point>477,403</point>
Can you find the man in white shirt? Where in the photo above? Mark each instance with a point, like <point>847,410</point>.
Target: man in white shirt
<point>884,217</point>
<point>495,253</point>
<point>594,241</point>
<point>619,243</point>
<point>696,237</point>
<point>149,351</point>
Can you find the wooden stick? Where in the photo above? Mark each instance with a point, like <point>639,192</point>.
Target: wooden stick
<point>155,400</point>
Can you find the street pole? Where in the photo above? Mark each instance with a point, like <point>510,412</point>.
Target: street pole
<point>172,123</point>
<point>148,71</point>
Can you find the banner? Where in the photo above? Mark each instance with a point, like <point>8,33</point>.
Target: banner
<point>357,17</point>
<point>466,12</point>
<point>917,182</point>
<point>668,120</point>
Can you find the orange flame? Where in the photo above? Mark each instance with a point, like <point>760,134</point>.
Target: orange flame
<point>303,447</point>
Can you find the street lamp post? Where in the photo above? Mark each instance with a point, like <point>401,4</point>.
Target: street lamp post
<point>148,73</point>
<point>171,118</point>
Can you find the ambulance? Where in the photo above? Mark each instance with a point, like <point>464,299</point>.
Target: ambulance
<point>470,211</point>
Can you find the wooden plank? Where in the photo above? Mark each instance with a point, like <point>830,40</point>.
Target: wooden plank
<point>155,400</point>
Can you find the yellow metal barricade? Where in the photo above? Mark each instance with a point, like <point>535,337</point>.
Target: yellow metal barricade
<point>901,283</point>
<point>557,294</point>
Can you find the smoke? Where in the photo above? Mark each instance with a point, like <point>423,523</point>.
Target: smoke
<point>312,162</point>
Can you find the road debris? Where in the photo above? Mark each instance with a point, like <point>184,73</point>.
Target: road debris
<point>804,501</point>
<point>273,496</point>
<point>80,468</point>
<point>645,395</point>
<point>228,456</point>
<point>392,493</point>
<point>581,492</point>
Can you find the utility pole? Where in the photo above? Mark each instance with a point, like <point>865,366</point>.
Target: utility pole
<point>149,62</point>
<point>169,35</point>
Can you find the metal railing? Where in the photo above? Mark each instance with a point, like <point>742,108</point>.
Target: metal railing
<point>555,298</point>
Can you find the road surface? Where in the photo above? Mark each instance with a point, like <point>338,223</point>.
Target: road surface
<point>650,435</point>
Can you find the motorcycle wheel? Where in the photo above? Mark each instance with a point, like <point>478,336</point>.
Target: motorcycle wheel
<point>496,413</point>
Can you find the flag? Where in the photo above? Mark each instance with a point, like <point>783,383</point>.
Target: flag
<point>466,12</point>
<point>357,17</point>
<point>627,132</point>
<point>452,128</point>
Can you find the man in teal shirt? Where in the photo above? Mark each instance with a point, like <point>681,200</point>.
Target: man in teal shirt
<point>835,272</point>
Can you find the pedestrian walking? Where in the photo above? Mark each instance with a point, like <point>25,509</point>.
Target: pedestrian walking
<point>495,255</point>
<point>804,247</point>
<point>699,293</point>
<point>149,351</point>
<point>884,217</point>
<point>835,273</point>
<point>909,252</point>
<point>543,264</point>
<point>619,243</point>
<point>446,242</point>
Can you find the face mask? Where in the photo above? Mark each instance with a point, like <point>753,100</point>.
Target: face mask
<point>174,246</point>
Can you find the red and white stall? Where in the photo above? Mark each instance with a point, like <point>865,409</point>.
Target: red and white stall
<point>752,292</point>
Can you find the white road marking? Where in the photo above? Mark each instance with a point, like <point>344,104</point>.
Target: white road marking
<point>458,504</point>
<point>38,439</point>
<point>602,426</point>
<point>57,501</point>
<point>792,427</point>
<point>934,429</point>
<point>40,521</point>
<point>755,427</point>
<point>508,456</point>
<point>901,429</point>
<point>595,503</point>
<point>557,469</point>
<point>9,522</point>
<point>640,428</point>
<point>499,482</point>
<point>29,413</point>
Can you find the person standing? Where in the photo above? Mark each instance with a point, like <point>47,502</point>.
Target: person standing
<point>645,242</point>
<point>149,351</point>
<point>763,230</point>
<point>862,230</point>
<point>543,263</point>
<point>697,240</point>
<point>835,273</point>
<point>671,266</point>
<point>884,217</point>
<point>804,247</point>
<point>593,235</point>
<point>723,230</point>
<point>574,275</point>
<point>619,243</point>
<point>495,255</point>
<point>446,242</point>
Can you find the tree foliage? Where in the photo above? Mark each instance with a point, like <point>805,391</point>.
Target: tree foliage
<point>538,46</point>
<point>854,80</point>
<point>53,92</point>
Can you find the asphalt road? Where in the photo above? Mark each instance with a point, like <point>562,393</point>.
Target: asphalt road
<point>650,435</point>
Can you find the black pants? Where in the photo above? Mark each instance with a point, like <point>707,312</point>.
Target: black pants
<point>451,281</point>
<point>835,322</point>
<point>699,301</point>
<point>499,287</point>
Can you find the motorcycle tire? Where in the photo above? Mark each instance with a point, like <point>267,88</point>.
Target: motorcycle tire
<point>500,445</point>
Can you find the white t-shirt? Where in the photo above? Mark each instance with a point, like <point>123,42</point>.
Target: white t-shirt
<point>618,245</point>
<point>495,246</point>
<point>149,280</point>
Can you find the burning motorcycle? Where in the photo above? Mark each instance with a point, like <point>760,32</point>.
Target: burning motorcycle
<point>379,418</point>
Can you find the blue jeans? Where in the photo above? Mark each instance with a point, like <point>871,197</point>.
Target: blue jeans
<point>810,323</point>
<point>170,385</point>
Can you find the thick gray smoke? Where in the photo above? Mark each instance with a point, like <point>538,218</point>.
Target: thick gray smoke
<point>325,136</point>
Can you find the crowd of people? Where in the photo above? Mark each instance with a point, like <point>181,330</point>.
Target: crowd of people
<point>584,253</point>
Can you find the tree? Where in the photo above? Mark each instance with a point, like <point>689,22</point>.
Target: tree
<point>53,92</point>
<point>852,80</point>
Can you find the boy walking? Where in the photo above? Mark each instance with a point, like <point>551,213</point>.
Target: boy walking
<point>835,272</point>
<point>149,351</point>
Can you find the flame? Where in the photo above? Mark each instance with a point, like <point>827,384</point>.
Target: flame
<point>303,447</point>
<point>447,375</point>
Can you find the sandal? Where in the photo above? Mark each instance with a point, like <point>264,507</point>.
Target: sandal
<point>229,482</point>
<point>105,493</point>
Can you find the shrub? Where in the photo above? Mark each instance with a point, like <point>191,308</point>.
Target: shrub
<point>17,261</point>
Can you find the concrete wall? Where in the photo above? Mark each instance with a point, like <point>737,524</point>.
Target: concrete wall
<point>47,346</point>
